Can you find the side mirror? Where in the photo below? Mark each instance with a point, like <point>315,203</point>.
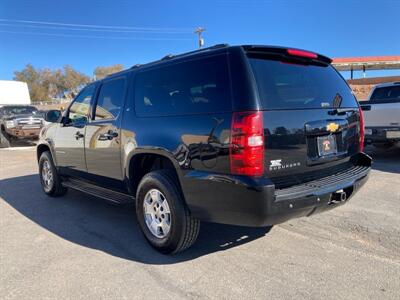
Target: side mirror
<point>53,116</point>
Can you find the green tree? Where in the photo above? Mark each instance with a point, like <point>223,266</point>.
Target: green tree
<point>103,71</point>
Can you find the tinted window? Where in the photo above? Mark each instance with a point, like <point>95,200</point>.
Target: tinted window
<point>110,99</point>
<point>198,86</point>
<point>81,105</point>
<point>285,85</point>
<point>384,94</point>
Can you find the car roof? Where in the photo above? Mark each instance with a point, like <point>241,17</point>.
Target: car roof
<point>219,48</point>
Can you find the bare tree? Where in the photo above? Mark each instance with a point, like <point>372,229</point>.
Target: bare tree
<point>46,84</point>
<point>103,71</point>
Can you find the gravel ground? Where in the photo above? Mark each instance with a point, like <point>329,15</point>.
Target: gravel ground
<point>81,247</point>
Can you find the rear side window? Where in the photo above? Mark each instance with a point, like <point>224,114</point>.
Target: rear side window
<point>110,99</point>
<point>386,94</point>
<point>192,87</point>
<point>289,86</point>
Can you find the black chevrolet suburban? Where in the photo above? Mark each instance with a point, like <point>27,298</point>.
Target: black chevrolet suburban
<point>245,135</point>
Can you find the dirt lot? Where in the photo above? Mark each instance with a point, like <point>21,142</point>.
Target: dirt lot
<point>78,246</point>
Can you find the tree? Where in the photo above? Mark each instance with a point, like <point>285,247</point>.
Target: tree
<point>103,71</point>
<point>33,78</point>
<point>46,84</point>
<point>72,81</point>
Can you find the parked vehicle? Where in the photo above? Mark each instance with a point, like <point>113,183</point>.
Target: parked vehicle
<point>382,115</point>
<point>19,122</point>
<point>14,93</point>
<point>245,135</point>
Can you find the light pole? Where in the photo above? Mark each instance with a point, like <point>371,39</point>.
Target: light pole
<point>199,31</point>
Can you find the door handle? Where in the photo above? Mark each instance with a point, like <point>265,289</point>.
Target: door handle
<point>109,135</point>
<point>79,135</point>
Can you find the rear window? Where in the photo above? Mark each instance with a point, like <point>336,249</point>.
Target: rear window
<point>386,94</point>
<point>289,86</point>
<point>192,87</point>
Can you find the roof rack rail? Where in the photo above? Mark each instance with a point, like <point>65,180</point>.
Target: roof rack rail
<point>168,56</point>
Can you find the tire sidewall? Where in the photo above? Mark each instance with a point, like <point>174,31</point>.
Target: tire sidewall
<point>156,180</point>
<point>47,157</point>
<point>4,139</point>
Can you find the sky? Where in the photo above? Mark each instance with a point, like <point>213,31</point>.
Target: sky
<point>90,33</point>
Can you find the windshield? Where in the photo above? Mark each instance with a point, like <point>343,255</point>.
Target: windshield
<point>20,110</point>
<point>284,85</point>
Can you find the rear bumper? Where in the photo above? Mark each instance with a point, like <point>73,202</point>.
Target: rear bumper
<point>247,201</point>
<point>382,134</point>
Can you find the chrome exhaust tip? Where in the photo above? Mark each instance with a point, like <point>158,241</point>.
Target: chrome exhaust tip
<point>338,196</point>
<point>343,196</point>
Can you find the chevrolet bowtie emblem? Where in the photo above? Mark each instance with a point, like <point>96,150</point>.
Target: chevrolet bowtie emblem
<point>332,127</point>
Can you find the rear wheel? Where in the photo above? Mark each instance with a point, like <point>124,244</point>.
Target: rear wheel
<point>49,177</point>
<point>4,139</point>
<point>162,215</point>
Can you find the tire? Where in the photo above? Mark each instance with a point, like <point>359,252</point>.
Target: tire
<point>183,230</point>
<point>4,140</point>
<point>51,187</point>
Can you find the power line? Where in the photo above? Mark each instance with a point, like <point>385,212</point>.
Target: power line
<point>95,36</point>
<point>88,29</point>
<point>161,29</point>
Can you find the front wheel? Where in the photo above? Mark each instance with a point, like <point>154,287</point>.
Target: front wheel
<point>49,177</point>
<point>162,215</point>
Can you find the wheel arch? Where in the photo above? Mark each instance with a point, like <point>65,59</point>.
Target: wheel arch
<point>42,147</point>
<point>139,163</point>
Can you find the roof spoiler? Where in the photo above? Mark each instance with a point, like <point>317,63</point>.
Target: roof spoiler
<point>287,53</point>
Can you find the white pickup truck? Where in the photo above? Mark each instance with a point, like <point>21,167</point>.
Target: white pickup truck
<point>382,115</point>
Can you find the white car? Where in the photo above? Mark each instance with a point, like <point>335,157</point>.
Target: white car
<point>382,115</point>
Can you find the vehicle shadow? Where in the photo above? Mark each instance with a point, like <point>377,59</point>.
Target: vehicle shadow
<point>386,160</point>
<point>94,223</point>
<point>23,143</point>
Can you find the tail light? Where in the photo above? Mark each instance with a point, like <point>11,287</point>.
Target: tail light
<point>362,129</point>
<point>247,144</point>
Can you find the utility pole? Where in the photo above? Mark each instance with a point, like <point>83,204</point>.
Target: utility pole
<point>199,31</point>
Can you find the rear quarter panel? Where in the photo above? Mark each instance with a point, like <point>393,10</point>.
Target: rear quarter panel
<point>196,142</point>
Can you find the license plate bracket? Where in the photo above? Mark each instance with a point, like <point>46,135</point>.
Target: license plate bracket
<point>326,145</point>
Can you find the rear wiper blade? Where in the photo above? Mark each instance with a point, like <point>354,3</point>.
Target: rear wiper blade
<point>340,111</point>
